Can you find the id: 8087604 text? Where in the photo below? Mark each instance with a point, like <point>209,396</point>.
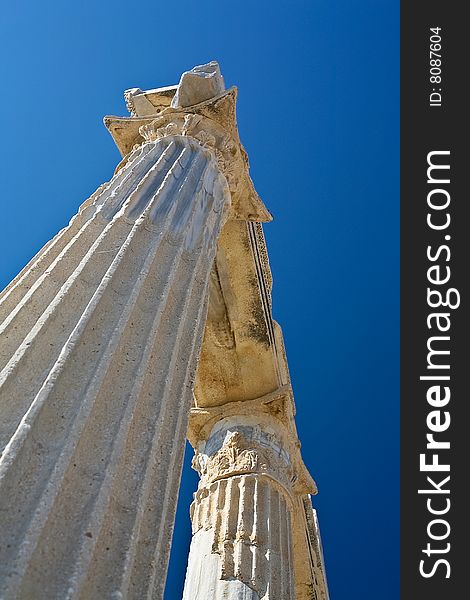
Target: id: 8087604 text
<point>435,66</point>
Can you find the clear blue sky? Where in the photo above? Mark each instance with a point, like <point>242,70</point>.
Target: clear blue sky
<point>318,114</point>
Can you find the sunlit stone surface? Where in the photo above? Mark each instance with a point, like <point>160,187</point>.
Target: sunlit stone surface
<point>151,308</point>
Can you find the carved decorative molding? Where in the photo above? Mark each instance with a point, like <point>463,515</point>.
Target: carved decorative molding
<point>213,124</point>
<point>276,408</point>
<point>263,256</point>
<point>239,455</point>
<point>129,100</point>
<point>230,160</point>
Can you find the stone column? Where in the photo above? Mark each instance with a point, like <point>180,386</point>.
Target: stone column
<point>242,546</point>
<point>255,533</point>
<point>100,339</point>
<point>101,334</point>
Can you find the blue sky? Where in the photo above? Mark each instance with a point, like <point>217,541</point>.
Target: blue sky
<point>318,113</point>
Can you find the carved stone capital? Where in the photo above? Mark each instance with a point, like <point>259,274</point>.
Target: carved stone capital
<point>252,452</point>
<point>212,123</point>
<point>227,151</point>
<point>248,499</point>
<point>263,426</point>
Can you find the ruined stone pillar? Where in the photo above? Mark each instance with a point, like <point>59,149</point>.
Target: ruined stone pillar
<point>255,533</point>
<point>100,337</point>
<point>242,514</point>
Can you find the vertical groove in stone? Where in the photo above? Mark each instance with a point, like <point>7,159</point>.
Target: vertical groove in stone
<point>247,532</point>
<point>126,527</point>
<point>194,515</point>
<point>221,494</point>
<point>230,528</point>
<point>96,323</point>
<point>290,583</point>
<point>14,292</point>
<point>247,510</point>
<point>84,478</point>
<point>157,582</point>
<point>178,433</point>
<point>259,534</point>
<point>43,332</point>
<point>214,500</point>
<point>286,589</point>
<point>59,269</point>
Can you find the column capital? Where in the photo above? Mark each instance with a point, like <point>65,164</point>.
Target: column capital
<point>245,451</point>
<point>211,122</point>
<point>253,436</point>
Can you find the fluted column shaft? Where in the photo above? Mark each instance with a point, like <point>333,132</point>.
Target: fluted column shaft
<point>241,516</point>
<point>100,338</point>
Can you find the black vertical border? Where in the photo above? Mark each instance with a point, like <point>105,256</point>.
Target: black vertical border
<point>425,129</point>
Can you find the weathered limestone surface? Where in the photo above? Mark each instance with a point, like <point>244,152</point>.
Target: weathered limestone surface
<point>101,334</point>
<point>255,534</point>
<point>100,339</point>
<point>242,514</point>
<point>199,84</point>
